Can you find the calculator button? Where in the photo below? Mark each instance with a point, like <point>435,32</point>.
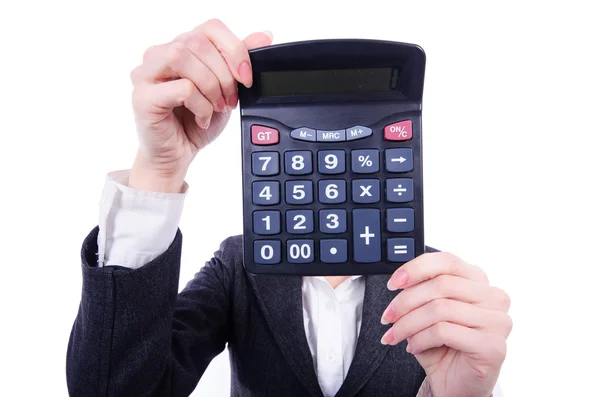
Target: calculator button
<point>332,191</point>
<point>298,192</point>
<point>265,163</point>
<point>365,161</point>
<point>334,251</point>
<point>399,190</point>
<point>366,235</point>
<point>400,220</point>
<point>266,222</point>
<point>267,252</point>
<point>400,249</point>
<point>304,134</point>
<point>400,131</point>
<point>298,162</point>
<point>262,135</point>
<point>332,221</point>
<point>331,136</point>
<point>365,191</point>
<point>331,161</point>
<point>358,132</point>
<point>399,160</point>
<point>299,221</point>
<point>300,251</point>
<point>265,192</point>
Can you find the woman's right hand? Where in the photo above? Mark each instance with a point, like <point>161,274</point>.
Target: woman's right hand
<point>183,95</point>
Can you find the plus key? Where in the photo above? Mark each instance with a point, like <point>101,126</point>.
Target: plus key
<point>366,235</point>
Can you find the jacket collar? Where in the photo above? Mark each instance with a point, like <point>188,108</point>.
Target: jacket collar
<point>280,299</point>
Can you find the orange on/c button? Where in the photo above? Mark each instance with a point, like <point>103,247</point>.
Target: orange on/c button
<point>400,131</point>
<point>262,135</point>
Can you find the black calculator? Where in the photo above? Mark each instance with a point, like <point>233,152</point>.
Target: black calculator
<point>332,157</point>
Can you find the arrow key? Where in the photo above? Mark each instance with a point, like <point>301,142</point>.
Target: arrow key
<point>399,160</point>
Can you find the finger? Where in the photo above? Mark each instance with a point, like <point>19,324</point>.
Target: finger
<point>157,101</point>
<point>456,312</point>
<point>231,48</point>
<point>430,265</point>
<point>258,39</point>
<point>449,287</point>
<point>489,346</point>
<point>177,61</point>
<point>206,52</point>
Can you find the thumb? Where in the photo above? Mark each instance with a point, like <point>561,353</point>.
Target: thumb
<point>258,39</point>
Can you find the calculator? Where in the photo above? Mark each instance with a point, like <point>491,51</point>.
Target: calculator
<point>332,157</point>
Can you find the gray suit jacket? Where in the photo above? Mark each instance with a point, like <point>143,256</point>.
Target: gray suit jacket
<point>135,335</point>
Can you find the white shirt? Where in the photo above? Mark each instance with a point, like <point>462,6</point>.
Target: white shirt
<point>137,226</point>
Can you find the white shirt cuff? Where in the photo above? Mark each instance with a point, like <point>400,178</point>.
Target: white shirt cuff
<point>135,226</point>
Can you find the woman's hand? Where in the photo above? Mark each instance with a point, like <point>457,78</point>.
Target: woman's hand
<point>455,322</point>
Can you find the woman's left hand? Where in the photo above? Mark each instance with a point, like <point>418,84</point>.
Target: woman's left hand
<point>455,322</point>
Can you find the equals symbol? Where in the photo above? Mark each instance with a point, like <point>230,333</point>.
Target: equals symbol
<point>400,249</point>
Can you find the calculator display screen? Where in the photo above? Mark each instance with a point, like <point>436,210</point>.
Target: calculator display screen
<point>331,81</point>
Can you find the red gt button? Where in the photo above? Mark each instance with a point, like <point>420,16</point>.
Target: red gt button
<point>400,131</point>
<point>262,135</point>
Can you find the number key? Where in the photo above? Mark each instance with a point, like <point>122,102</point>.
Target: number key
<point>267,252</point>
<point>300,251</point>
<point>331,161</point>
<point>266,222</point>
<point>298,163</point>
<point>332,191</point>
<point>332,221</point>
<point>299,221</point>
<point>298,192</point>
<point>265,192</point>
<point>265,163</point>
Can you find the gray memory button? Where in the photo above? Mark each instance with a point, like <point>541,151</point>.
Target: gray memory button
<point>331,136</point>
<point>358,132</point>
<point>304,134</point>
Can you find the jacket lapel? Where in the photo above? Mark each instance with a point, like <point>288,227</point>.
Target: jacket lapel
<point>369,351</point>
<point>280,299</point>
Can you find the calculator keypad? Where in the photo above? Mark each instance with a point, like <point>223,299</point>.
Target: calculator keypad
<point>334,204</point>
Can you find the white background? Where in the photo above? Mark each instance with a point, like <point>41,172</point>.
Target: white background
<point>510,123</point>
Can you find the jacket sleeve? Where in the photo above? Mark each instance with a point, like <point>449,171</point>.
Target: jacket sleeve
<point>134,335</point>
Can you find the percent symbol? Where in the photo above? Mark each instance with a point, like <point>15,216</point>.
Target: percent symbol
<point>365,160</point>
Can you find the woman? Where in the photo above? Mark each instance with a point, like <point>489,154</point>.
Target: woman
<point>444,335</point>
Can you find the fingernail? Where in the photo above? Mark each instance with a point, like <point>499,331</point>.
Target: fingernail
<point>398,280</point>
<point>233,100</point>
<point>245,74</point>
<point>220,104</point>
<point>205,124</point>
<point>388,337</point>
<point>269,33</point>
<point>388,316</point>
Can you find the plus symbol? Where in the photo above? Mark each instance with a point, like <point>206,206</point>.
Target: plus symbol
<point>366,235</point>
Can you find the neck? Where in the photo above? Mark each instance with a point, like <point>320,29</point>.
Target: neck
<point>335,281</point>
